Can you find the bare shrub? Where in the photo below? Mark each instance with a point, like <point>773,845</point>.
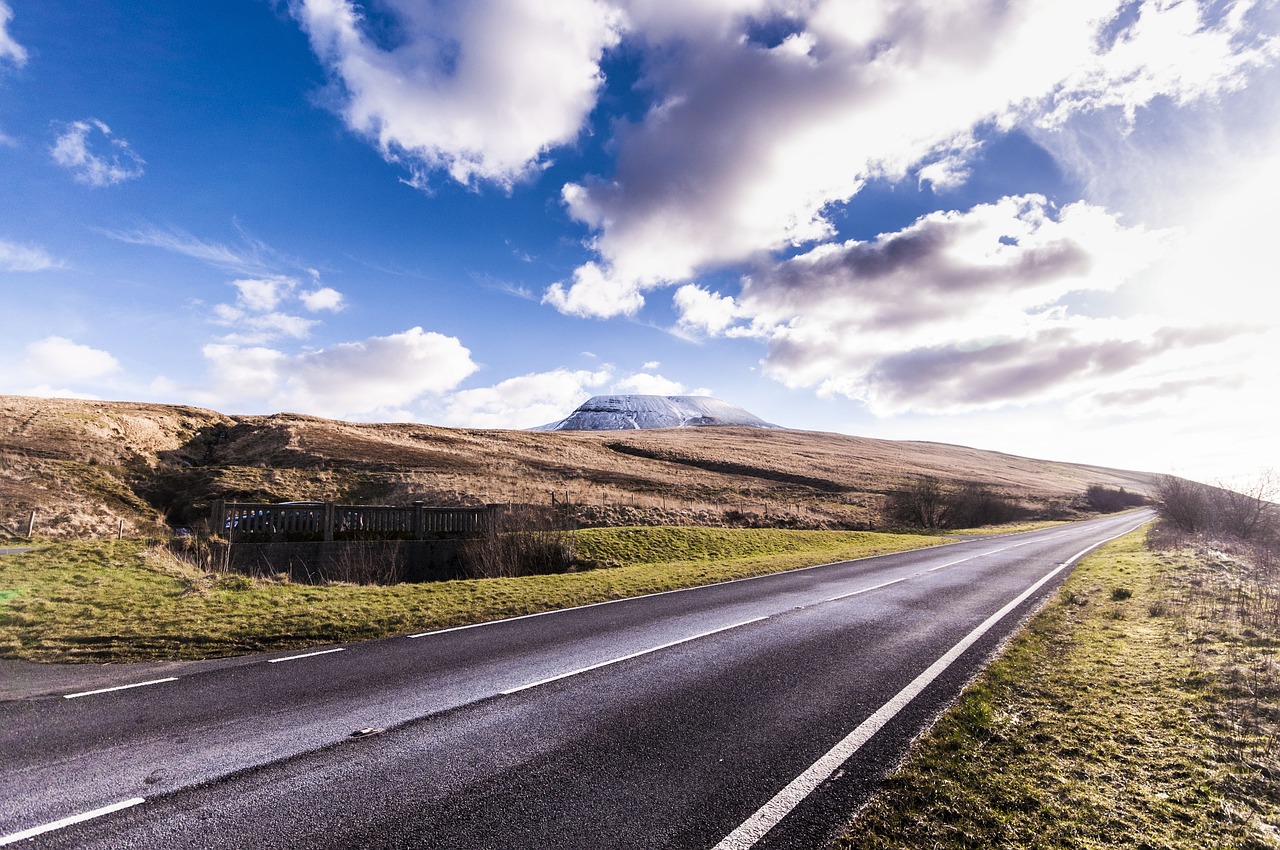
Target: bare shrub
<point>928,503</point>
<point>922,504</point>
<point>1245,514</point>
<point>520,540</point>
<point>1186,504</point>
<point>1106,500</point>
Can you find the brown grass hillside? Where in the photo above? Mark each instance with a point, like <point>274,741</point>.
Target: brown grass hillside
<point>83,466</point>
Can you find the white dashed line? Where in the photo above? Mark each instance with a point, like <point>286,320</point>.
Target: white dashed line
<point>119,688</point>
<point>59,824</point>
<point>651,649</point>
<point>304,655</point>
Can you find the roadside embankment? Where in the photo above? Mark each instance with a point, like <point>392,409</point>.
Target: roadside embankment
<point>129,601</point>
<point>1140,708</point>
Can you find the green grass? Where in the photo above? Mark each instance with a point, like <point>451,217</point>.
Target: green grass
<point>1099,727</point>
<point>127,601</point>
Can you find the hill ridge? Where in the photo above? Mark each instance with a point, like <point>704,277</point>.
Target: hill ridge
<point>84,466</point>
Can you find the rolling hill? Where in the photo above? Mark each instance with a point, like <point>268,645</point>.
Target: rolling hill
<point>85,466</point>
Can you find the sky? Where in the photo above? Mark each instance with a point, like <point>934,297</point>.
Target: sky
<point>1032,226</point>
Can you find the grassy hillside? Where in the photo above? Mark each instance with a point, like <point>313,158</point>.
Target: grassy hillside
<point>83,466</point>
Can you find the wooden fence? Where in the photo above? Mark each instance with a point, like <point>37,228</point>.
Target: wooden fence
<point>236,521</point>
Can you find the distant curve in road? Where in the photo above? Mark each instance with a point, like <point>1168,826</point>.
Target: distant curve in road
<point>755,713</point>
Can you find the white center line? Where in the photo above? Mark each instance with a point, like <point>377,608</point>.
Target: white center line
<point>305,655</point>
<point>771,813</point>
<point>119,688</point>
<point>651,649</point>
<point>862,590</point>
<point>68,821</point>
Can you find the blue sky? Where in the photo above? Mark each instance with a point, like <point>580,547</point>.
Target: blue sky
<point>1038,227</point>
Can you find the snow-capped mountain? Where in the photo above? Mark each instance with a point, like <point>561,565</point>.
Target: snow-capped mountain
<point>630,412</point>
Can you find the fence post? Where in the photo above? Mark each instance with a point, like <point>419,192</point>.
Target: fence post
<point>217,516</point>
<point>329,516</point>
<point>419,520</point>
<point>31,524</point>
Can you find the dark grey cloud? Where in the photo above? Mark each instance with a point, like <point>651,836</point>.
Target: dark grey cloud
<point>917,275</point>
<point>1047,364</point>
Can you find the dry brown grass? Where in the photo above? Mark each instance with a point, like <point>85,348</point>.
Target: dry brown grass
<point>84,465</point>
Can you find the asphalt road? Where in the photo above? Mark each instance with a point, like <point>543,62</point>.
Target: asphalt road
<point>754,713</point>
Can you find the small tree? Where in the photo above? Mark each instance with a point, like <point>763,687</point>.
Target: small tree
<point>923,504</point>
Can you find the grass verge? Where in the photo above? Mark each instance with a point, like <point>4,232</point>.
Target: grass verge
<point>1137,710</point>
<point>127,601</point>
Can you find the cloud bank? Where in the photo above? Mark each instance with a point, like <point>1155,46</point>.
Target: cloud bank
<point>750,143</point>
<point>961,310</point>
<point>359,380</point>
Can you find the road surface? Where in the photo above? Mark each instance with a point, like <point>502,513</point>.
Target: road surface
<point>755,713</point>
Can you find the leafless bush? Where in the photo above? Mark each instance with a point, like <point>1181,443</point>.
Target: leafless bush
<point>928,503</point>
<point>520,540</point>
<point>922,504</point>
<point>365,562</point>
<point>1185,504</point>
<point>1106,500</point>
<point>1244,514</point>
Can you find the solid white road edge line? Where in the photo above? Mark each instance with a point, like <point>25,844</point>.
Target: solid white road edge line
<point>50,827</point>
<point>771,813</point>
<point>119,688</point>
<point>620,659</point>
<point>304,655</point>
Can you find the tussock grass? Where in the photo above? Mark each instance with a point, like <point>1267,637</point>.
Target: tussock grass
<point>1106,723</point>
<point>127,601</point>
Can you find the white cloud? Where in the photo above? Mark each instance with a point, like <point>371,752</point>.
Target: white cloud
<point>253,258</point>
<point>750,145</point>
<point>25,258</point>
<point>263,294</point>
<point>541,398</point>
<point>9,49</point>
<point>325,298</point>
<point>47,391</point>
<point>1183,51</point>
<point>526,401</point>
<point>75,150</point>
<point>56,358</point>
<point>703,311</point>
<point>644,383</point>
<point>255,316</point>
<point>595,292</point>
<point>351,380</point>
<point>482,88</point>
<point>253,328</point>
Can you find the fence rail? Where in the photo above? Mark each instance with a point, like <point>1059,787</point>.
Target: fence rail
<point>332,521</point>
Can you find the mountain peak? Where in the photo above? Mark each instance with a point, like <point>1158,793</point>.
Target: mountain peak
<point>632,412</point>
